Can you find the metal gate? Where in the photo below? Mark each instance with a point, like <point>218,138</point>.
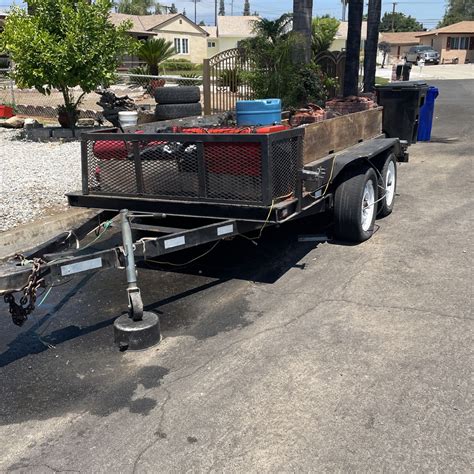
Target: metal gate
<point>332,64</point>
<point>224,81</point>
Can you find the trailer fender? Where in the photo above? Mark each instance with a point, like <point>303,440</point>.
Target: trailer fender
<point>328,169</point>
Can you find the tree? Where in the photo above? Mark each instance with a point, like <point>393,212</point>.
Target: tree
<point>65,44</point>
<point>324,30</point>
<point>370,53</point>
<point>456,11</point>
<point>385,49</point>
<point>273,30</point>
<point>302,15</point>
<point>246,8</point>
<point>184,12</point>
<point>173,9</point>
<point>202,23</point>
<point>274,72</point>
<point>221,8</point>
<point>351,71</point>
<point>401,22</point>
<point>138,7</point>
<point>155,51</point>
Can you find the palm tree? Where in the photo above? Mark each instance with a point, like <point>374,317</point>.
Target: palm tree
<point>370,54</point>
<point>154,52</point>
<point>302,15</point>
<point>272,29</point>
<point>351,72</point>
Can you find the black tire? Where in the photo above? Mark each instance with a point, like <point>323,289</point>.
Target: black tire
<point>174,111</point>
<point>348,205</point>
<point>178,95</point>
<point>386,206</point>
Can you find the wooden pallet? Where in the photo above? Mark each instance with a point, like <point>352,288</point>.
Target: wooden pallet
<point>336,134</point>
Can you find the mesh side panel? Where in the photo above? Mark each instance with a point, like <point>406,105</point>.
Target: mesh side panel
<point>110,167</point>
<point>233,171</point>
<point>202,169</point>
<point>286,161</point>
<point>170,169</point>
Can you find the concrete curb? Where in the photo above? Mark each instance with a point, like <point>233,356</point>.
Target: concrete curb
<point>29,235</point>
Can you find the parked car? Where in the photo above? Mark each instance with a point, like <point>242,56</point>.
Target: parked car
<point>415,53</point>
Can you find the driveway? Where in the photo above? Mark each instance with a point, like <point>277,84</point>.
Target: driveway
<point>285,356</point>
<point>431,72</point>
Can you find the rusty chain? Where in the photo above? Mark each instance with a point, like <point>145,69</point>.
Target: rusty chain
<point>25,306</point>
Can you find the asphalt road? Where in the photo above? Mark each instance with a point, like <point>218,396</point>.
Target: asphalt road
<point>285,356</point>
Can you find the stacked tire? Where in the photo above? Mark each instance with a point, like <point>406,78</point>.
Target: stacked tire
<point>177,102</point>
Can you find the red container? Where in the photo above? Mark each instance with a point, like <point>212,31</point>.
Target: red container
<point>236,159</point>
<point>6,111</point>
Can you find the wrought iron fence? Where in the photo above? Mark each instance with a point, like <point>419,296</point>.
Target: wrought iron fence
<point>224,81</point>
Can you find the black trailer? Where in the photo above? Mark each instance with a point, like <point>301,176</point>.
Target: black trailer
<point>166,191</point>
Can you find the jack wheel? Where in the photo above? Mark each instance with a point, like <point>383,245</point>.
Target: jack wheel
<point>137,335</point>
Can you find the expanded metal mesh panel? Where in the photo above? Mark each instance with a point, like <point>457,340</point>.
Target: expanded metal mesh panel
<point>234,171</point>
<point>253,170</point>
<point>170,169</point>
<point>286,161</point>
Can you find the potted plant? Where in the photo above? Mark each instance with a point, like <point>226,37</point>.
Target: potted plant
<point>68,116</point>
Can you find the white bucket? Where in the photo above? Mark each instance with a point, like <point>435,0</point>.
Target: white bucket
<point>128,118</point>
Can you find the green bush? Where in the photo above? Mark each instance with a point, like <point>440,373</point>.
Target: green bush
<point>231,78</point>
<point>193,75</point>
<point>178,65</point>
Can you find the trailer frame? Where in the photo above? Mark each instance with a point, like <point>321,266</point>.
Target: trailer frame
<point>152,226</point>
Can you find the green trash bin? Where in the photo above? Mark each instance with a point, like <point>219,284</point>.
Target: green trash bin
<point>401,102</point>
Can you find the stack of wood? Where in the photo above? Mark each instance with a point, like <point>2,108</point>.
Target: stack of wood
<point>313,113</point>
<point>350,104</point>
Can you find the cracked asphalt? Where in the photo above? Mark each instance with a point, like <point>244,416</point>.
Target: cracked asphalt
<point>280,357</point>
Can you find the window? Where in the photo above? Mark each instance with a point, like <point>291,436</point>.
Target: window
<point>211,44</point>
<point>457,42</point>
<point>181,45</point>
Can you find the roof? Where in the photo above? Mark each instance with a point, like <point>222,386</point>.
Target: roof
<point>344,28</point>
<point>145,23</point>
<point>211,31</point>
<point>140,22</point>
<point>409,37</point>
<point>461,27</point>
<point>240,26</point>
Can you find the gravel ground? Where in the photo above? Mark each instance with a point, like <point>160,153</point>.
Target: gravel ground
<point>34,177</point>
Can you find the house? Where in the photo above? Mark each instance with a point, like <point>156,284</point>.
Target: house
<point>228,32</point>
<point>400,43</point>
<point>454,42</point>
<point>339,43</point>
<point>189,39</point>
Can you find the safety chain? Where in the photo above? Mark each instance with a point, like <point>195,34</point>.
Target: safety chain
<point>20,311</point>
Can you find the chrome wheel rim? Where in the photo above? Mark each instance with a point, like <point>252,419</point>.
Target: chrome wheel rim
<point>367,205</point>
<point>390,183</point>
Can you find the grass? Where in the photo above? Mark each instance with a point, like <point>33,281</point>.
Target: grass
<point>381,80</point>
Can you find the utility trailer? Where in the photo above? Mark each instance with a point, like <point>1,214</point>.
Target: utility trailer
<point>168,190</point>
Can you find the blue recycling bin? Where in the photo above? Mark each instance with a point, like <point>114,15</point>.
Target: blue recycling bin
<point>426,115</point>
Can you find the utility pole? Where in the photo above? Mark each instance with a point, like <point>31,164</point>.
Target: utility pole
<point>215,13</point>
<point>231,7</point>
<point>393,15</point>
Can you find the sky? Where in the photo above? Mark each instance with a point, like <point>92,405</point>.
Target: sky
<point>428,12</point>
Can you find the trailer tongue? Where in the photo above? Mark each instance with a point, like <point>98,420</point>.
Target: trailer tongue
<point>166,192</point>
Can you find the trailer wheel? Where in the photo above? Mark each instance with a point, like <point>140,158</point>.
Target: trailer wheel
<point>388,186</point>
<point>354,205</point>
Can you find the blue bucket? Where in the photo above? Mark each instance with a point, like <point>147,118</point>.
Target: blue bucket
<point>258,112</point>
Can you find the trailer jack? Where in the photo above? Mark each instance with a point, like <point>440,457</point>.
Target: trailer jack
<point>136,329</point>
